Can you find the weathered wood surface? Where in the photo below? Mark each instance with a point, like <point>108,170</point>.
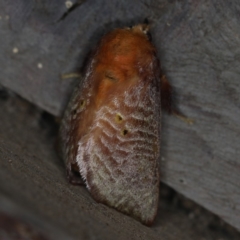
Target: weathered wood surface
<point>199,46</point>
<point>35,192</point>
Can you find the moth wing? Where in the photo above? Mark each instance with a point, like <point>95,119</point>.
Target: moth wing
<point>72,131</point>
<point>119,157</point>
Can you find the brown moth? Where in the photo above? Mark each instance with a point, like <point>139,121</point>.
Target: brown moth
<point>110,132</point>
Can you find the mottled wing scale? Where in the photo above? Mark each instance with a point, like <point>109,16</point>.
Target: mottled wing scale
<point>119,159</point>
<point>111,129</point>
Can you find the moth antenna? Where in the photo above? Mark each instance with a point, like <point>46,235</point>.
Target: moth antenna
<point>167,101</point>
<point>70,75</point>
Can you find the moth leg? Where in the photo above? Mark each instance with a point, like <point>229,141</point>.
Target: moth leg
<point>70,75</point>
<point>167,101</point>
<point>73,175</point>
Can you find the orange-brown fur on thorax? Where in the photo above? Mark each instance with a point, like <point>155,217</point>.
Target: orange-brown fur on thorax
<point>118,62</point>
<point>119,59</point>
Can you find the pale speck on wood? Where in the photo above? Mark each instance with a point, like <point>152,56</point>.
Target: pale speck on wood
<point>68,4</point>
<point>15,50</point>
<point>40,66</point>
<point>191,215</point>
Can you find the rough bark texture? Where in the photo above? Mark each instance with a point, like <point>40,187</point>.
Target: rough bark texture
<point>199,47</point>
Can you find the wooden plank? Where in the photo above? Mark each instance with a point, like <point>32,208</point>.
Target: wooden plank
<point>43,40</point>
<point>202,161</point>
<point>35,194</point>
<point>198,44</point>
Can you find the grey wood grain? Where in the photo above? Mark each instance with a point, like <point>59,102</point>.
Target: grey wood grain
<point>202,161</point>
<point>34,191</point>
<point>198,44</point>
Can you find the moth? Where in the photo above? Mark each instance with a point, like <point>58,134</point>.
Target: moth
<point>110,132</point>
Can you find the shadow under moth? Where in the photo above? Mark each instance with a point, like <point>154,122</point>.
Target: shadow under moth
<point>110,132</point>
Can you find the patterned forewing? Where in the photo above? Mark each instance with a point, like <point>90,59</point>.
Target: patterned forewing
<point>76,116</point>
<point>119,157</point>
